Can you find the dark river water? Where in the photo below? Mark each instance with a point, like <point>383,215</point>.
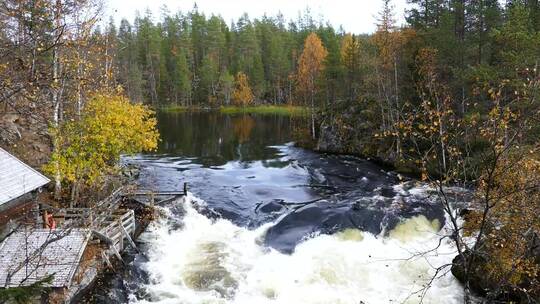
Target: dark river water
<point>267,222</point>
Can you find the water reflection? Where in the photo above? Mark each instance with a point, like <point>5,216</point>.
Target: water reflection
<point>242,127</point>
<point>215,139</point>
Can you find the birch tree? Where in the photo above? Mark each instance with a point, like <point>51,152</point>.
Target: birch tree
<point>310,66</point>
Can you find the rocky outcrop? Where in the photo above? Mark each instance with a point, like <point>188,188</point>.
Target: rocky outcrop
<point>329,139</point>
<point>9,130</point>
<point>354,138</point>
<point>25,137</point>
<point>130,172</point>
<point>533,238</point>
<point>479,284</point>
<point>376,215</point>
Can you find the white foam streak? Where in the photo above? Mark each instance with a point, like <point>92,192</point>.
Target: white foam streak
<point>217,262</point>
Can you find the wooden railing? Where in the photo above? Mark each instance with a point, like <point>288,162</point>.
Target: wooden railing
<point>120,227</point>
<point>110,224</point>
<point>151,197</point>
<point>87,217</point>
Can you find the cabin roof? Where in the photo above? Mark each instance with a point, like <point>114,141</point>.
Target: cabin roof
<point>28,257</point>
<point>17,178</point>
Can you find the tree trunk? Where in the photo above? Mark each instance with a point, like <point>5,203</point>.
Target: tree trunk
<point>56,103</point>
<point>398,110</point>
<point>74,194</point>
<point>312,107</point>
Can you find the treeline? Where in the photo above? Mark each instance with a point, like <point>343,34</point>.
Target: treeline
<point>192,59</point>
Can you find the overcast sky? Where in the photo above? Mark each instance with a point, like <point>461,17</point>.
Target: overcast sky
<point>357,16</point>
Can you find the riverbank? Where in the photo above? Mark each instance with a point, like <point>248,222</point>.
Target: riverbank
<point>333,139</point>
<point>267,109</point>
<point>285,110</point>
<point>483,267</point>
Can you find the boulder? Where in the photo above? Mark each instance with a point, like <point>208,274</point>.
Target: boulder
<point>373,215</point>
<point>329,140</point>
<point>130,172</point>
<point>478,284</point>
<point>533,248</point>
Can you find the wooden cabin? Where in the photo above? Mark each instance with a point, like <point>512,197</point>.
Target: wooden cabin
<point>19,184</point>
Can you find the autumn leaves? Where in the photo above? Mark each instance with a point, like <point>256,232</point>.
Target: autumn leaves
<point>89,148</point>
<point>242,94</point>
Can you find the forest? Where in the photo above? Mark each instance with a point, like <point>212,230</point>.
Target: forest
<point>188,58</point>
<point>450,97</point>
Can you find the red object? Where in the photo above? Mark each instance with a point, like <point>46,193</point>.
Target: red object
<point>51,223</point>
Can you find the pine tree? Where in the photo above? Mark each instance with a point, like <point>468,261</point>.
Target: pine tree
<point>425,14</point>
<point>272,40</point>
<point>516,43</point>
<point>148,45</point>
<point>209,75</point>
<point>183,78</point>
<point>388,41</point>
<point>226,82</point>
<point>350,57</point>
<point>485,17</point>
<point>247,54</point>
<point>332,83</point>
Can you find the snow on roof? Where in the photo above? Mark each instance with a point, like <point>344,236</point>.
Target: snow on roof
<point>17,178</point>
<point>27,257</point>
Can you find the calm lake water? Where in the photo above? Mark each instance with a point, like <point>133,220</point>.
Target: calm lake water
<point>267,222</point>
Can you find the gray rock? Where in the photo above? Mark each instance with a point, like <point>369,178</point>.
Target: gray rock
<point>327,217</point>
<point>329,140</point>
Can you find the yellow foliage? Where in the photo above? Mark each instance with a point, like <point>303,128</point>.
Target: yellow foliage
<point>242,94</point>
<point>388,40</point>
<point>90,148</point>
<point>311,63</point>
<point>243,127</point>
<point>515,201</point>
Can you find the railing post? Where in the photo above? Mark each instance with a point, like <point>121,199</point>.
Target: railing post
<point>121,241</point>
<point>91,217</point>
<point>134,221</point>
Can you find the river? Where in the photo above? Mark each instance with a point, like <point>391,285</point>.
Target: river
<point>267,222</point>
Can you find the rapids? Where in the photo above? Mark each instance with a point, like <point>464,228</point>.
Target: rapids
<point>266,222</point>
<point>216,261</point>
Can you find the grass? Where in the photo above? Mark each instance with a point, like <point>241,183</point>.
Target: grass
<point>180,109</point>
<point>266,109</point>
<point>285,110</point>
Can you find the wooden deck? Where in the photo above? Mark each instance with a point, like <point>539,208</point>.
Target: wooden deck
<point>33,254</point>
<point>117,231</point>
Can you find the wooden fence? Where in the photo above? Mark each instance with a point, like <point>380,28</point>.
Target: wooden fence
<point>118,231</point>
<point>108,223</point>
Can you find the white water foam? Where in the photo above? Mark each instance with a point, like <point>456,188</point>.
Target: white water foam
<point>217,262</point>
